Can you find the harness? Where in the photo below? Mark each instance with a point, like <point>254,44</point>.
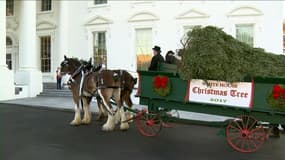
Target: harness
<point>100,85</point>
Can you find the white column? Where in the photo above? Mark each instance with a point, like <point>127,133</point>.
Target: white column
<point>27,36</point>
<point>3,34</point>
<point>29,74</point>
<point>7,88</point>
<point>63,30</point>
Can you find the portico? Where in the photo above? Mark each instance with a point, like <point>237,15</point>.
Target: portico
<point>28,77</point>
<point>7,87</point>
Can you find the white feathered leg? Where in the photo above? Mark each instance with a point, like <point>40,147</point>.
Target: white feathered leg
<point>124,125</point>
<point>77,116</point>
<point>110,124</point>
<point>87,114</point>
<point>117,117</point>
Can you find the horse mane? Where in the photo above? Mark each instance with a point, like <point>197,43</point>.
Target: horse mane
<point>81,61</point>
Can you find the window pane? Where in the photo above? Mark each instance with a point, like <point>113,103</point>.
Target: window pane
<point>188,29</point>
<point>99,48</point>
<point>100,2</point>
<point>45,53</point>
<point>244,33</point>
<point>143,48</point>
<point>9,60</point>
<point>46,5</point>
<point>9,7</point>
<point>9,41</point>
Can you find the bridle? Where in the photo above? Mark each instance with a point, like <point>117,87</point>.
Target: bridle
<point>75,73</point>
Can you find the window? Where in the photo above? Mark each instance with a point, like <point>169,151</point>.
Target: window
<point>99,48</point>
<point>9,60</point>
<point>143,48</point>
<point>244,33</point>
<point>9,7</point>
<point>187,30</point>
<point>46,5</point>
<point>45,49</point>
<point>9,41</point>
<point>98,2</point>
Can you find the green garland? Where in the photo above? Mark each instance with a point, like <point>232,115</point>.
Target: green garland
<point>276,98</point>
<point>162,85</point>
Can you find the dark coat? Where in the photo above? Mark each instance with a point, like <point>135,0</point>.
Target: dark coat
<point>154,62</point>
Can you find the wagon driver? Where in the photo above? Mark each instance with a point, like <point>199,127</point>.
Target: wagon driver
<point>156,59</point>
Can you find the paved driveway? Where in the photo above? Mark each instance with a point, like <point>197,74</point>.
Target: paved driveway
<point>41,134</point>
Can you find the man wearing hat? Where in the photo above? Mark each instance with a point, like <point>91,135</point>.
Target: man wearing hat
<point>157,58</point>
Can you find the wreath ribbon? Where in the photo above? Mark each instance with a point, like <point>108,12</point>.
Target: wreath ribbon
<point>278,92</point>
<point>161,82</point>
<point>161,85</point>
<point>276,98</point>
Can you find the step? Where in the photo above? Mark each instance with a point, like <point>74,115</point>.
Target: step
<point>54,95</point>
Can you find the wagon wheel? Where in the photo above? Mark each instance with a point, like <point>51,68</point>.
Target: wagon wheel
<point>245,135</point>
<point>149,124</point>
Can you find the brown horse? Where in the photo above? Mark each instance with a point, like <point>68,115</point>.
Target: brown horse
<point>127,85</point>
<point>103,84</point>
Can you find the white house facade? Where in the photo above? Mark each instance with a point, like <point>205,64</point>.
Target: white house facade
<point>35,35</point>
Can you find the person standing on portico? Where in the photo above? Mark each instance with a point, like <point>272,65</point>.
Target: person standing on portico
<point>58,78</point>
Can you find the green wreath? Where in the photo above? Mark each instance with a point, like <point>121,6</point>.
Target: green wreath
<point>276,98</point>
<point>162,85</point>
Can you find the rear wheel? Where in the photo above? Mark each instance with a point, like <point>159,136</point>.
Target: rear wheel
<point>245,134</point>
<point>149,124</point>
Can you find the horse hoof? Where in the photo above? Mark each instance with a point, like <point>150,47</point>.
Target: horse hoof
<point>117,119</point>
<point>124,126</point>
<point>75,122</point>
<point>107,128</point>
<point>86,121</point>
<point>130,117</point>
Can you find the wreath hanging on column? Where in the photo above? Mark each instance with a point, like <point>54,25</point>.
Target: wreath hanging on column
<point>162,85</point>
<point>276,98</point>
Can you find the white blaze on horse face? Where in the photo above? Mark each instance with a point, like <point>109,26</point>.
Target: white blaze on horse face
<point>104,102</point>
<point>77,116</point>
<point>110,124</point>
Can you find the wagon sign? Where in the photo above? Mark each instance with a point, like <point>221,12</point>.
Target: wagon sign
<point>238,94</point>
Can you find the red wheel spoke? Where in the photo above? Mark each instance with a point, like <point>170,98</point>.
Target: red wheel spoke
<point>255,146</point>
<point>242,122</point>
<point>238,125</point>
<point>247,122</point>
<point>234,127</point>
<point>149,124</point>
<point>242,144</point>
<point>252,124</point>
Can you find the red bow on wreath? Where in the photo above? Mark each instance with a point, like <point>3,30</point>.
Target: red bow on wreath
<point>161,82</point>
<point>278,92</point>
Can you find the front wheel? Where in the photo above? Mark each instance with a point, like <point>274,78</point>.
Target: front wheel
<point>149,124</point>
